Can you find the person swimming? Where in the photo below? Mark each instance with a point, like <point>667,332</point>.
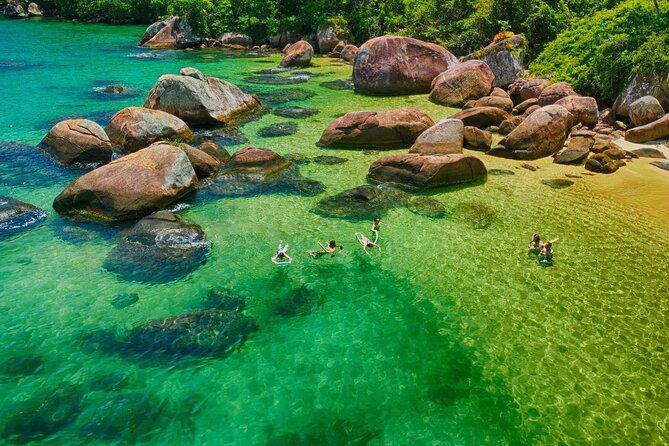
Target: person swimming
<point>546,251</point>
<point>331,249</point>
<point>366,243</point>
<point>376,227</point>
<point>281,257</point>
<point>535,243</point>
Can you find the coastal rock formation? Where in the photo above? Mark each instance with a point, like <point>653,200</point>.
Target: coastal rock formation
<point>389,129</point>
<point>201,100</point>
<point>521,108</point>
<point>295,112</point>
<point>427,171</point>
<point>77,141</point>
<point>540,134</point>
<point>583,109</point>
<point>504,56</point>
<point>601,163</point>
<point>399,65</point>
<point>327,39</point>
<point>339,47</point>
<point>161,247</point>
<point>236,39</point>
<point>204,164</point>
<point>34,10</point>
<point>349,53</point>
<point>201,334</point>
<point>446,136</point>
<point>645,110</point>
<point>362,202</point>
<point>171,33</point>
<point>525,88</point>
<point>134,128</point>
<point>655,84</point>
<point>130,187</point>
<point>297,54</point>
<point>482,117</point>
<point>17,216</point>
<point>505,103</point>
<point>216,151</point>
<point>256,171</point>
<point>15,10</point>
<point>477,139</point>
<point>280,40</point>
<point>462,82</point>
<point>650,132</point>
<point>554,92</point>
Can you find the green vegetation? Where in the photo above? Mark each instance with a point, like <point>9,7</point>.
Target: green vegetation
<point>595,44</point>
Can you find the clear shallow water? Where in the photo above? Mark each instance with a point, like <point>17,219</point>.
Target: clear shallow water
<point>453,335</point>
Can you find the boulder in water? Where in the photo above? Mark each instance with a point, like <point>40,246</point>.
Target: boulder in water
<point>650,132</point>
<point>427,207</point>
<point>171,33</point>
<point>34,10</point>
<point>204,164</point>
<point>601,163</point>
<point>461,83</point>
<point>201,100</point>
<point>298,54</point>
<point>160,248</point>
<point>362,202</point>
<point>295,112</point>
<point>279,129</point>
<point>482,117</point>
<point>446,136</point>
<point>135,128</point>
<point>475,214</point>
<point>645,110</point>
<point>399,65</point>
<point>427,171</point>
<point>299,302</point>
<point>389,129</point>
<point>215,150</point>
<point>77,141</point>
<point>17,216</point>
<point>236,39</point>
<point>540,134</point>
<point>130,187</point>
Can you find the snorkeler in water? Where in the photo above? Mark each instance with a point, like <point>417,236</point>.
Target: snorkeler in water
<point>535,243</point>
<point>366,243</point>
<point>331,249</point>
<point>281,257</point>
<point>546,251</point>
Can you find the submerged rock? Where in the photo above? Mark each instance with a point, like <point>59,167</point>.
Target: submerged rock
<point>21,365</point>
<point>399,65</point>
<point>161,174</point>
<point>388,129</point>
<point>362,202</point>
<point>201,100</point>
<point>200,334</point>
<point>427,171</point>
<point>557,183</point>
<point>222,299</point>
<point>124,300</point>
<point>159,248</point>
<point>426,206</point>
<point>329,160</point>
<point>113,91</point>
<point>338,84</point>
<point>295,112</point>
<point>135,128</point>
<point>297,54</point>
<point>223,136</point>
<point>475,214</point>
<point>77,141</point>
<point>204,164</point>
<point>42,415</point>
<point>299,302</point>
<point>275,79</point>
<point>17,216</point>
<point>280,129</point>
<point>275,97</point>
<point>600,163</point>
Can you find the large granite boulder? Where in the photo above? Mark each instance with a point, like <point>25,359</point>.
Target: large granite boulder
<point>583,108</point>
<point>297,54</point>
<point>134,128</point>
<point>482,117</point>
<point>388,129</point>
<point>477,139</point>
<point>504,56</point>
<point>173,32</point>
<point>362,202</point>
<point>349,53</point>
<point>280,40</point>
<point>554,92</point>
<point>201,100</point>
<point>645,110</point>
<point>650,132</point>
<point>654,84</point>
<point>206,333</point>
<point>236,39</point>
<point>255,171</point>
<point>77,141</point>
<point>14,9</point>
<point>34,10</point>
<point>327,39</point>
<point>130,187</point>
<point>461,83</point>
<point>446,136</point>
<point>161,247</point>
<point>16,216</point>
<point>205,165</point>
<point>525,88</point>
<point>505,103</point>
<point>540,134</point>
<point>399,65</point>
<point>427,171</point>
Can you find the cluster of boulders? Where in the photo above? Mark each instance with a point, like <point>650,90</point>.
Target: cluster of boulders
<point>21,9</point>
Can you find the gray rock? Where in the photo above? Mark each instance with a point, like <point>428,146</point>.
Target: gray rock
<point>645,110</point>
<point>236,39</point>
<point>362,202</point>
<point>655,84</point>
<point>17,216</point>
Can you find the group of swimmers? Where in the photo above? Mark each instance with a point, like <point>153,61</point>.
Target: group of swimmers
<point>281,258</point>
<point>544,251</point>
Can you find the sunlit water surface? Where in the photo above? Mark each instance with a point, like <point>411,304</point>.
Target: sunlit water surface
<point>452,335</point>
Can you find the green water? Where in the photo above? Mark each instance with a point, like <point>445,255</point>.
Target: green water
<point>453,335</point>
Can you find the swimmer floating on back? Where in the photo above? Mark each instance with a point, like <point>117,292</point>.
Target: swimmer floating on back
<point>331,249</point>
<point>281,258</point>
<point>366,243</point>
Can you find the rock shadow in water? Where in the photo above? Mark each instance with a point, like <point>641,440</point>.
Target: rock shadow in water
<point>475,214</point>
<point>300,301</point>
